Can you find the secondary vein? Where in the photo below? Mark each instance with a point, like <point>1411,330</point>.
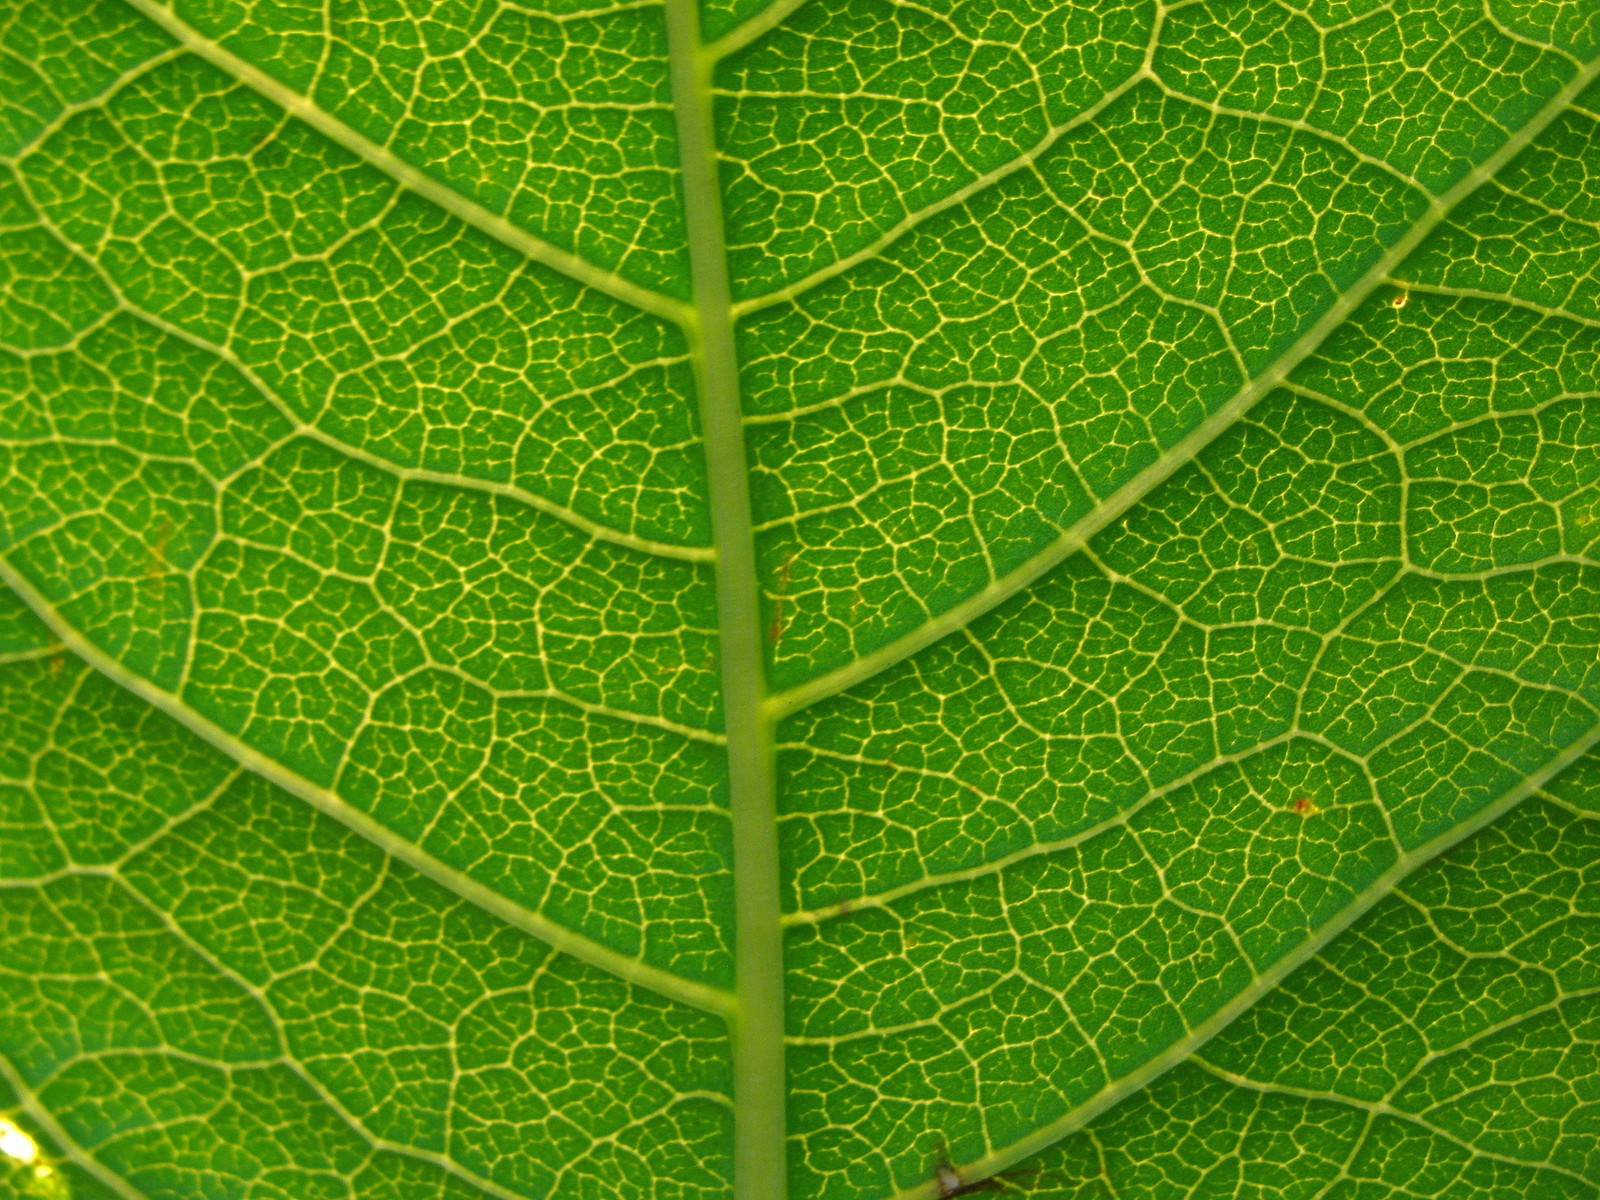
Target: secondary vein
<point>764,22</point>
<point>1077,535</point>
<point>1180,1051</point>
<point>64,1142</point>
<point>298,427</point>
<point>392,165</point>
<point>329,803</point>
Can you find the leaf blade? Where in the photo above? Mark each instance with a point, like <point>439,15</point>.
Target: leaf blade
<point>493,654</point>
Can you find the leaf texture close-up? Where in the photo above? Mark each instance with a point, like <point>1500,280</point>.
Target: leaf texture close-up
<point>810,599</point>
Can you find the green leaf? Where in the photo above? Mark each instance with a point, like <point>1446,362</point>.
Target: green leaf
<point>825,598</point>
<point>1446,1045</point>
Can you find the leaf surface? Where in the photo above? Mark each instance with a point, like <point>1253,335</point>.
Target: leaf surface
<point>632,601</point>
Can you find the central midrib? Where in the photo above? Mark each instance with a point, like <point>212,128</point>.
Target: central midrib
<point>759,1169</point>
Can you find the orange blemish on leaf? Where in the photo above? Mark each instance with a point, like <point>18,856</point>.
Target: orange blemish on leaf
<point>1399,301</point>
<point>1305,806</point>
<point>776,630</point>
